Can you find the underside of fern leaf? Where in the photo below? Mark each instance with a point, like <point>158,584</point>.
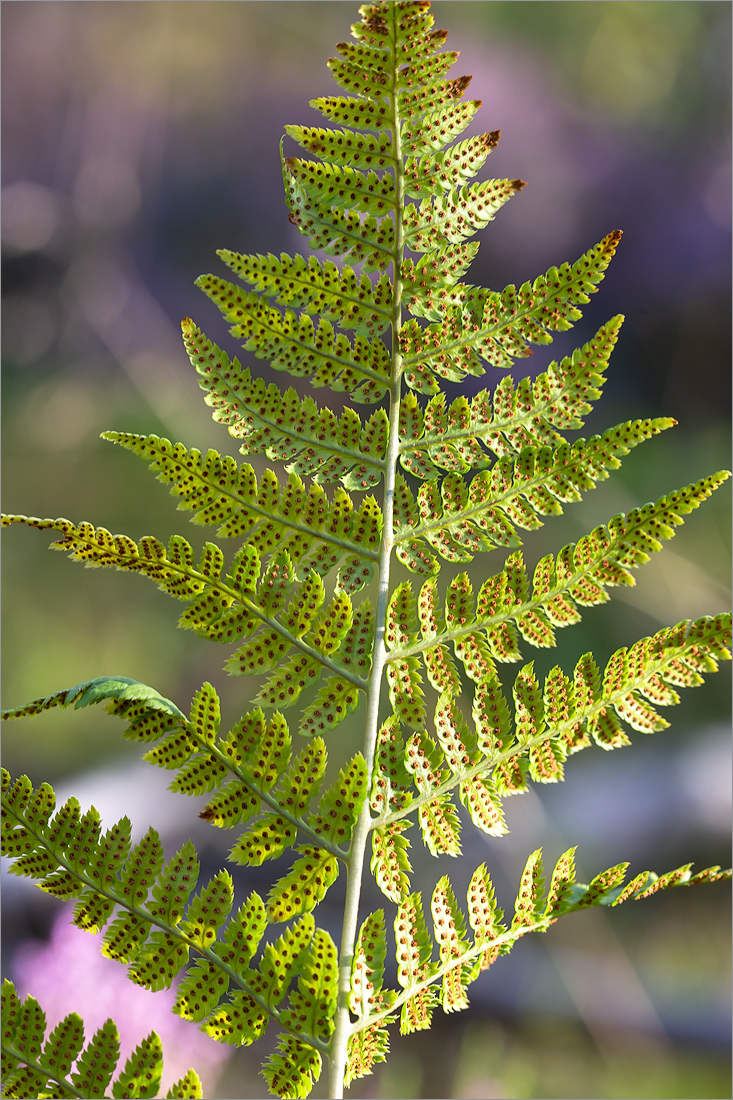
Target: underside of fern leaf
<point>334,578</point>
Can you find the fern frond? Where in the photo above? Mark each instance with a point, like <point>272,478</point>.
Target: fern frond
<point>508,421</point>
<point>159,923</point>
<point>366,151</point>
<point>414,966</point>
<point>224,609</point>
<point>502,325</point>
<point>304,886</point>
<point>313,441</point>
<point>447,220</point>
<point>487,627</point>
<point>364,1049</point>
<point>333,185</point>
<point>294,344</point>
<point>450,936</point>
<point>117,689</point>
<point>435,130</point>
<point>352,111</point>
<point>462,958</point>
<point>437,817</point>
<point>393,194</point>
<point>272,516</point>
<point>342,296</point>
<point>252,774</point>
<point>367,240</point>
<point>461,519</point>
<point>64,1066</point>
<point>390,863</point>
<point>449,169</point>
<point>293,1068</point>
<point>551,722</point>
<point>367,969</point>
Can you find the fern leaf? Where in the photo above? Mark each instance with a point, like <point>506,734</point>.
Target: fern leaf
<point>435,130</point>
<point>450,935</point>
<point>503,324</point>
<point>63,1066</point>
<point>367,968</point>
<point>284,686</point>
<point>293,343</point>
<point>551,722</point>
<point>368,240</point>
<point>390,863</point>
<point>312,1005</point>
<point>481,799</point>
<point>200,991</point>
<point>484,915</point>
<point>438,819</point>
<point>352,111</point>
<point>335,186</point>
<point>313,441</point>
<point>274,518</point>
<point>528,708</point>
<point>405,692</point>
<point>365,1048</point>
<point>95,1065</point>
<point>243,933</point>
<point>305,885</point>
<point>117,689</point>
<point>63,1045</point>
<point>24,1025</point>
<point>449,219</point>
<point>340,805</point>
<point>453,734</point>
<point>73,842</point>
<point>209,909</point>
<point>141,1075</point>
<point>243,1018</point>
<point>533,412</point>
<point>239,1021</point>
<point>221,609</point>
<point>93,909</point>
<point>490,713</point>
<point>391,783</point>
<point>268,837</point>
<point>341,296</point>
<point>364,151</point>
<point>282,960</point>
<point>561,884</point>
<point>460,521</point>
<point>292,1070</point>
<point>160,960</point>
<point>530,903</point>
<point>414,966</point>
<point>598,706</point>
<point>577,577</point>
<point>479,471</point>
<point>447,169</point>
<point>188,1086</point>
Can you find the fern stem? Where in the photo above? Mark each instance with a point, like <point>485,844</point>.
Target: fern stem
<point>357,852</point>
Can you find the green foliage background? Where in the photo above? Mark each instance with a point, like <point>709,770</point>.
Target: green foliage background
<point>149,132</point>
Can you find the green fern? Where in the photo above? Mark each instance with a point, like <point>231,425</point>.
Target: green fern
<point>313,603</point>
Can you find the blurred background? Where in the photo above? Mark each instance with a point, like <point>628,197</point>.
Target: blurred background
<point>140,137</point>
